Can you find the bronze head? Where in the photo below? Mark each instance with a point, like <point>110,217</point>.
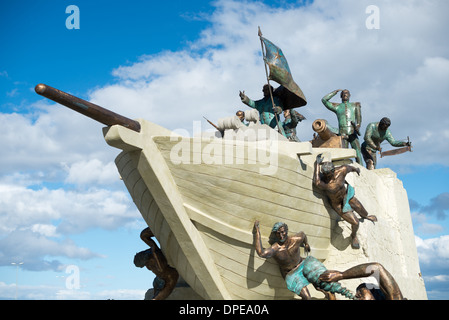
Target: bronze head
<point>240,114</point>
<point>345,95</point>
<point>327,169</point>
<point>279,233</point>
<point>266,90</point>
<point>141,258</point>
<point>384,123</point>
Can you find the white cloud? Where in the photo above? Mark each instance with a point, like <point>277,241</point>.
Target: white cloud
<point>400,70</point>
<point>433,252</point>
<point>48,138</point>
<point>35,250</point>
<point>46,292</point>
<point>73,295</point>
<point>121,294</point>
<point>36,224</point>
<point>438,278</point>
<point>47,230</point>
<point>92,172</point>
<point>78,211</point>
<point>422,226</point>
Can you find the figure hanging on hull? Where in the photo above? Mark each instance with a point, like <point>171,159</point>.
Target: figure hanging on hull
<point>388,288</point>
<point>341,197</point>
<point>297,272</point>
<point>155,261</point>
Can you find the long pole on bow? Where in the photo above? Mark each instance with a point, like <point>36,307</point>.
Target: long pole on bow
<point>268,81</point>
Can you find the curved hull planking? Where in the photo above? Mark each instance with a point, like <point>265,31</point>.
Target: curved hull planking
<point>201,196</point>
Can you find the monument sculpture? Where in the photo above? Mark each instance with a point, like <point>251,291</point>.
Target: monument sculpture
<point>388,287</point>
<point>297,272</point>
<point>285,250</point>
<point>349,117</point>
<point>376,133</point>
<point>155,261</point>
<point>201,196</point>
<point>292,118</point>
<point>268,113</point>
<point>341,194</point>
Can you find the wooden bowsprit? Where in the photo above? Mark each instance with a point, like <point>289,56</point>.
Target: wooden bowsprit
<point>397,151</point>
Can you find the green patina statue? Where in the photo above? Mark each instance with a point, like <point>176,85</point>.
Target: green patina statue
<point>267,112</point>
<point>292,118</point>
<point>376,133</point>
<point>349,117</point>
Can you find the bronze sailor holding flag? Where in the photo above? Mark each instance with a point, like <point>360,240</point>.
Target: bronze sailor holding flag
<point>287,96</point>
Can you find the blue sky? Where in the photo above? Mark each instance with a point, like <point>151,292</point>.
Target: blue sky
<point>172,63</point>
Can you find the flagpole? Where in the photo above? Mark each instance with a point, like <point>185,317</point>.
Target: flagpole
<point>268,81</point>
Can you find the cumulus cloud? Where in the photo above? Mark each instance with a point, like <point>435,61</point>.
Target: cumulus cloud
<point>423,226</point>
<point>32,248</point>
<point>421,214</point>
<point>398,71</point>
<point>36,224</point>
<point>433,252</point>
<point>48,138</point>
<point>92,172</point>
<point>78,211</point>
<point>45,292</point>
<point>433,256</point>
<point>439,206</point>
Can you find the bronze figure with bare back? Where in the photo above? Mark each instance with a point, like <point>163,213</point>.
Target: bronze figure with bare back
<point>284,249</point>
<point>297,272</point>
<point>388,287</point>
<point>155,261</point>
<point>341,194</point>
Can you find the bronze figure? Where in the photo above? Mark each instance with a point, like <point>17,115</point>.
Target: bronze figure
<point>297,272</point>
<point>388,288</point>
<point>349,117</point>
<point>341,198</point>
<point>375,134</point>
<point>284,249</point>
<point>292,117</point>
<point>155,261</point>
<point>269,107</point>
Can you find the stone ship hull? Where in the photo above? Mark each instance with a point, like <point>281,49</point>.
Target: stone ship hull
<point>200,196</point>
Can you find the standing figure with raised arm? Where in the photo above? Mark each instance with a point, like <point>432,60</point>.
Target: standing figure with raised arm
<point>349,117</point>
<point>341,194</point>
<point>268,113</point>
